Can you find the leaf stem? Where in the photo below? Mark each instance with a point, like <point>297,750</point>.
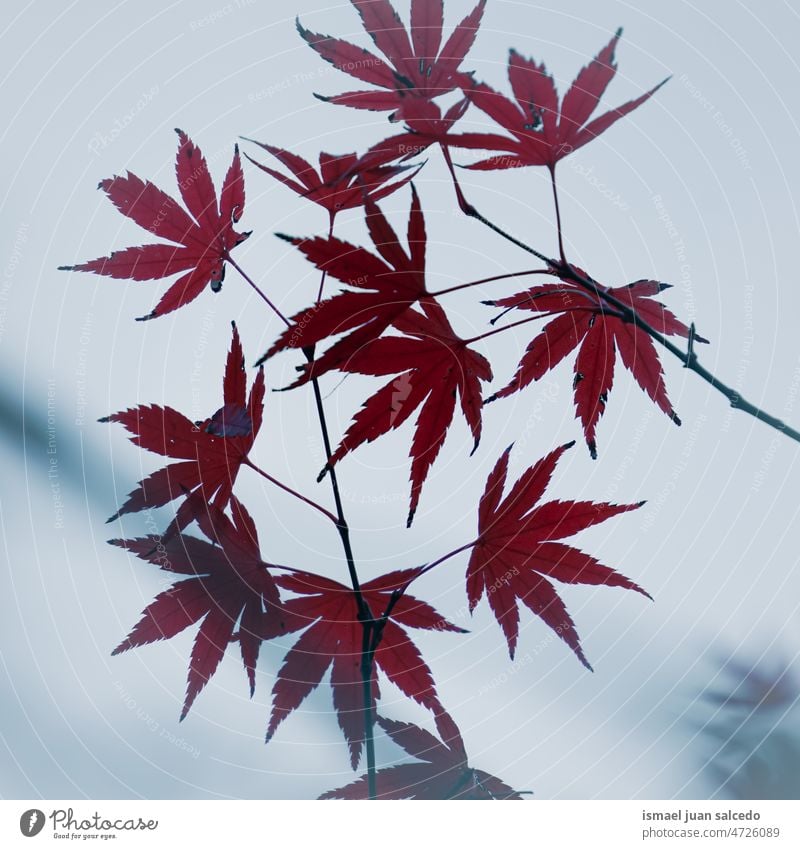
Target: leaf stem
<point>447,556</point>
<point>461,286</point>
<point>364,613</point>
<point>462,201</point>
<point>561,253</point>
<point>400,591</point>
<point>324,276</point>
<point>268,302</point>
<point>285,488</point>
<point>509,326</point>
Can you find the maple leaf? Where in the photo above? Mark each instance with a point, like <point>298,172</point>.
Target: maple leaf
<point>517,553</point>
<point>441,770</point>
<point>204,236</point>
<point>228,584</point>
<point>210,452</point>
<point>543,132</point>
<point>435,367</point>
<point>589,324</point>
<point>424,126</point>
<point>342,182</point>
<point>385,286</point>
<point>419,68</point>
<point>335,637</point>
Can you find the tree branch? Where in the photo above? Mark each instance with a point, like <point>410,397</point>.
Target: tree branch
<point>626,313</point>
<point>364,613</point>
<point>461,286</point>
<point>285,488</point>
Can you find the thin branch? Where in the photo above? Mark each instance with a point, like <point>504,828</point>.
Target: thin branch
<point>461,286</point>
<point>364,612</point>
<point>473,213</point>
<point>369,644</point>
<point>592,302</point>
<point>462,201</point>
<point>536,317</point>
<point>268,302</point>
<point>626,313</point>
<point>558,214</point>
<point>325,271</point>
<point>285,488</point>
<point>400,591</point>
<point>445,557</point>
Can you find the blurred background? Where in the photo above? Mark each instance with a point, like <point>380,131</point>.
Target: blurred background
<point>693,696</point>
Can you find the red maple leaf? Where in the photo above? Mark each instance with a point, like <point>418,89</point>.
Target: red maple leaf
<point>419,68</point>
<point>335,636</point>
<point>382,288</point>
<point>210,452</point>
<point>543,131</point>
<point>589,324</point>
<point>435,367</point>
<point>441,770</point>
<point>425,125</point>
<point>228,585</point>
<point>204,236</point>
<point>517,555</point>
<point>342,182</point>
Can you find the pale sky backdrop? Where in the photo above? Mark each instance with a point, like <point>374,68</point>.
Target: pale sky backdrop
<point>696,188</point>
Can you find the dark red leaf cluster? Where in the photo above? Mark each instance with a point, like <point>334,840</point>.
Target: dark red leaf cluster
<point>226,584</point>
<point>335,639</point>
<point>435,370</point>
<point>210,452</point>
<point>342,181</point>
<point>416,69</point>
<point>384,322</point>
<point>203,238</point>
<point>586,322</point>
<point>518,552</point>
<point>542,130</point>
<point>440,771</point>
